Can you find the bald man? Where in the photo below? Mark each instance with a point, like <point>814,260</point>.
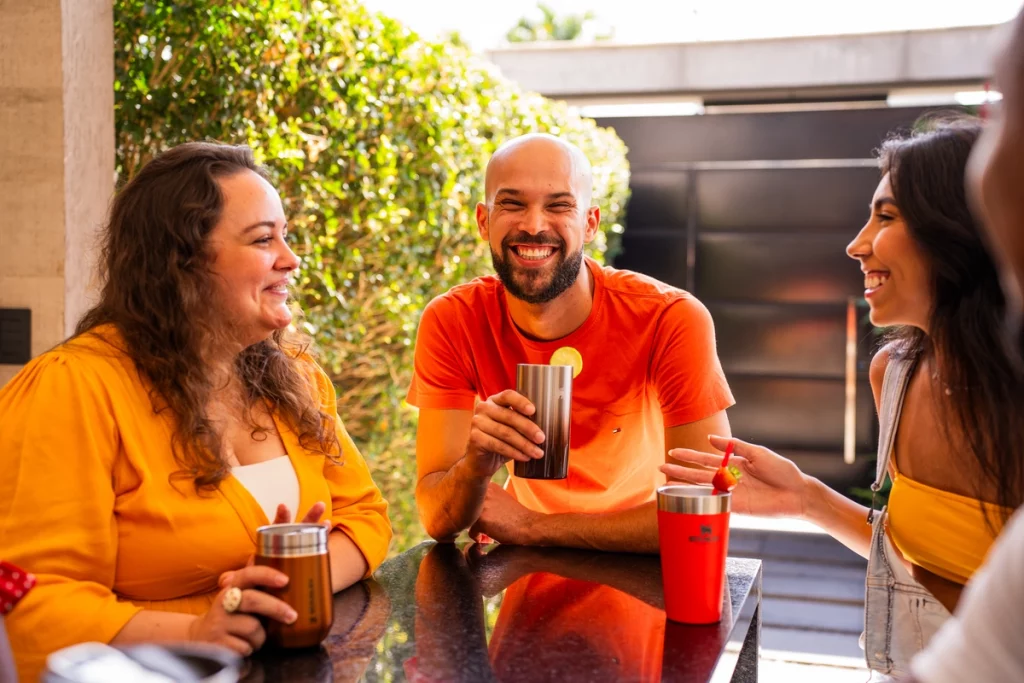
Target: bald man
<point>651,379</point>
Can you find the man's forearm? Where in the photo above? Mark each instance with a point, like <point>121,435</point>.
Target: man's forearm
<point>450,501</point>
<point>632,531</point>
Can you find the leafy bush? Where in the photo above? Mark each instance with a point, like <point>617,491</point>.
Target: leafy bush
<point>377,141</point>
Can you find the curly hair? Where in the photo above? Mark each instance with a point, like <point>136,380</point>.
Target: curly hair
<point>966,324</point>
<point>156,288</point>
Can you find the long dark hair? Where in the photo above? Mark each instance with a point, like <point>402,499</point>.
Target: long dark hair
<point>157,286</point>
<point>966,325</point>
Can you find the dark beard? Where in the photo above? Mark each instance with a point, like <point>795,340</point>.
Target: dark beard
<point>567,269</point>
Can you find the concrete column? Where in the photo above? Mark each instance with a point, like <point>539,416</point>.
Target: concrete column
<point>56,157</point>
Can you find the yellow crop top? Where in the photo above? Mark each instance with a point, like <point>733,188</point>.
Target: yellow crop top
<point>940,531</point>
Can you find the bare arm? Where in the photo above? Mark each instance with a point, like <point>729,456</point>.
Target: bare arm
<point>773,486</point>
<point>632,530</point>
<point>448,494</point>
<point>457,453</point>
<point>240,631</point>
<point>347,562</point>
<point>154,626</point>
<point>844,520</point>
<point>628,531</point>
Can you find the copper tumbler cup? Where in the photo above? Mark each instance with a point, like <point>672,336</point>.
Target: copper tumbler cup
<point>300,552</point>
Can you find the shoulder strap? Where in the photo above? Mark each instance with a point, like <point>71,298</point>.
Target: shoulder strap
<point>894,388</point>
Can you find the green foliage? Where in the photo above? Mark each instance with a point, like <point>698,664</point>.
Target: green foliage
<point>551,26</point>
<point>377,142</point>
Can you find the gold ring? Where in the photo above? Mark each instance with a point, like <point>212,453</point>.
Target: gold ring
<point>232,599</point>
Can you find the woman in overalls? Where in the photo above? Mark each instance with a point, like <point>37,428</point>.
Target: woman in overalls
<point>948,404</point>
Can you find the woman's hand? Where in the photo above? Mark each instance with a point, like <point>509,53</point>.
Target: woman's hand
<point>771,485</point>
<point>241,629</point>
<point>283,516</point>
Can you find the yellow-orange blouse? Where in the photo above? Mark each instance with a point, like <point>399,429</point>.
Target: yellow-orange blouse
<point>87,502</point>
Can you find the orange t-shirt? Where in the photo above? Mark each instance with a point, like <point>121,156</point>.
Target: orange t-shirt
<point>649,361</point>
<point>614,636</point>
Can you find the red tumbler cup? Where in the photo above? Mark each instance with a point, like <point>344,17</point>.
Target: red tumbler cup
<point>693,532</point>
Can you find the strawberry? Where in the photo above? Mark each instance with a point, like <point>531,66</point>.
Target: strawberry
<point>726,478</point>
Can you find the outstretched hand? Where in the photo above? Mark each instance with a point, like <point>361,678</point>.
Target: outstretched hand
<point>771,485</point>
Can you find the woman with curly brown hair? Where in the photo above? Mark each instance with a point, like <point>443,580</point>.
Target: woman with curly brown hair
<point>141,455</point>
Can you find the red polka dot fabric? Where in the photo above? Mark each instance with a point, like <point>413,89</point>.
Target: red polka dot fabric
<point>14,584</point>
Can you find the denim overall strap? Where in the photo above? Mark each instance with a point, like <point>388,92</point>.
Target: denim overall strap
<point>894,388</point>
<point>900,615</point>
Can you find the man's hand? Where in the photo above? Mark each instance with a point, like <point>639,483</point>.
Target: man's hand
<point>501,431</point>
<point>504,519</point>
<point>457,453</point>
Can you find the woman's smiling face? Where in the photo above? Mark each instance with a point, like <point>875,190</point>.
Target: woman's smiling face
<point>896,278</point>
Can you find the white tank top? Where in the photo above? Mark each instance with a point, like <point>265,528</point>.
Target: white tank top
<point>271,483</point>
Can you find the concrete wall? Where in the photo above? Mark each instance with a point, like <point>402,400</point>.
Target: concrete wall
<point>56,157</point>
<point>784,67</point>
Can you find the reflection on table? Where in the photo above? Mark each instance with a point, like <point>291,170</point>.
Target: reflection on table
<point>506,613</point>
<point>360,618</point>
